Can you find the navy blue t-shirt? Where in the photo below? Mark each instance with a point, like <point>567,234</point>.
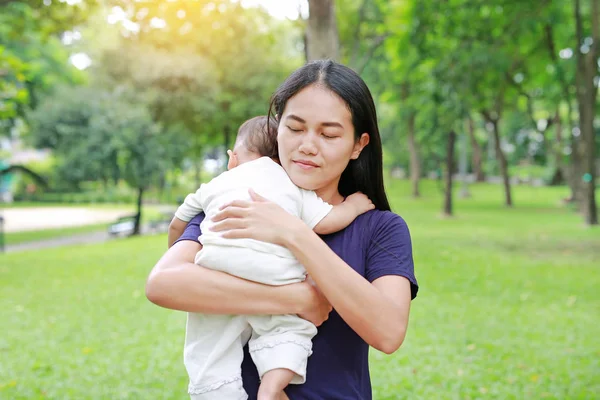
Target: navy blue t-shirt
<point>376,244</point>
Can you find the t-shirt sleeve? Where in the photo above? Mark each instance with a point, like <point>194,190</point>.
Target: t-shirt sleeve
<point>314,209</point>
<point>390,251</point>
<point>192,206</point>
<point>192,230</point>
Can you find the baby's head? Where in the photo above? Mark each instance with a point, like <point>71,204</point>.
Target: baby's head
<point>256,138</point>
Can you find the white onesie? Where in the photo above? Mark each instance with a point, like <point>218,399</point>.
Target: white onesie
<point>213,348</point>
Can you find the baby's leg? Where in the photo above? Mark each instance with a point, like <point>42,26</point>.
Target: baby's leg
<point>280,347</point>
<point>273,382</point>
<point>213,356</point>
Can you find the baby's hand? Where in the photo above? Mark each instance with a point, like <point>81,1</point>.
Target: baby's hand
<point>360,202</point>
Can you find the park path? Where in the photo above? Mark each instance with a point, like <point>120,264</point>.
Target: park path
<point>81,238</point>
<point>34,218</point>
<point>39,218</point>
<point>71,240</point>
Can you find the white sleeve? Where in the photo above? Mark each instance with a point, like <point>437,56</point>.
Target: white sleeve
<point>313,208</point>
<point>192,206</point>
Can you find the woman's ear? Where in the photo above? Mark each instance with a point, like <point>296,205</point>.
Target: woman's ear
<point>233,160</point>
<point>360,145</point>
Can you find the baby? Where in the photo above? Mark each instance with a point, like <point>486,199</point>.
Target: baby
<point>279,344</point>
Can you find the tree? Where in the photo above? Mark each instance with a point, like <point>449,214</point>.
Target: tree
<point>204,67</point>
<point>32,57</point>
<point>98,135</point>
<point>362,35</point>
<point>415,163</point>
<point>322,38</point>
<point>177,87</point>
<point>587,53</point>
<point>143,151</point>
<point>401,73</point>
<point>65,122</point>
<point>449,171</point>
<point>477,156</point>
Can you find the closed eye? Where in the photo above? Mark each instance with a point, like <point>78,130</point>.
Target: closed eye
<point>293,130</point>
<point>329,136</point>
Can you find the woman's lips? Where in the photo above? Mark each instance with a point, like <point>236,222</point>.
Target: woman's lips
<point>305,164</point>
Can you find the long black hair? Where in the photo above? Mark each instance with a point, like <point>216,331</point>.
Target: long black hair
<point>365,174</point>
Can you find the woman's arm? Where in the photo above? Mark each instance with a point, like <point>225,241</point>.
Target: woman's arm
<point>376,311</point>
<point>177,283</point>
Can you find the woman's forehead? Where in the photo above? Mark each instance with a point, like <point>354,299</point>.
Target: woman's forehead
<point>317,104</point>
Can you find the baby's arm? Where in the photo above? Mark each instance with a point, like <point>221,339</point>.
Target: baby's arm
<point>176,228</point>
<point>192,206</point>
<point>343,214</point>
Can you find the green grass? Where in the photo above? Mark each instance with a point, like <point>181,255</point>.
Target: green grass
<point>33,236</point>
<point>508,309</point>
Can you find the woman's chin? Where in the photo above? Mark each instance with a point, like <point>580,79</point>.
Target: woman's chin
<point>304,182</point>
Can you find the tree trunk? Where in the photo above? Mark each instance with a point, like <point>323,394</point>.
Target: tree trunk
<point>575,169</point>
<point>566,170</point>
<point>415,162</point>
<point>305,42</point>
<point>477,153</point>
<point>558,177</point>
<point>586,99</point>
<point>462,167</point>
<point>503,164</point>
<point>138,215</point>
<point>449,170</point>
<point>322,38</point>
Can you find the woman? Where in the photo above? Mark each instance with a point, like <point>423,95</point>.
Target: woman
<point>328,142</point>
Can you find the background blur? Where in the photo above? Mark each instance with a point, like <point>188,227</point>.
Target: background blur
<point>112,111</point>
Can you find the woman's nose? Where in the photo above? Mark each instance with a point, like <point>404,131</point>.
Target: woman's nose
<point>308,145</point>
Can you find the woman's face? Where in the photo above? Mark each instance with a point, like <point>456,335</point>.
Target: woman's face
<point>316,140</point>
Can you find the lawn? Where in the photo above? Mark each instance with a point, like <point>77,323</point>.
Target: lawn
<point>508,309</point>
<point>33,236</point>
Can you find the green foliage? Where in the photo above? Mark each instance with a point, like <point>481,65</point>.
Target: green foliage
<point>463,57</point>
<point>12,84</point>
<point>98,135</point>
<point>32,57</point>
<point>212,66</point>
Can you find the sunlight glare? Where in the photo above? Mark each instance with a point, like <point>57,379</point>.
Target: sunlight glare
<point>286,9</point>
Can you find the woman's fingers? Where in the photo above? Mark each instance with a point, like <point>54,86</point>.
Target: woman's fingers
<point>255,196</point>
<point>236,203</point>
<point>230,212</point>
<point>229,225</point>
<point>236,234</point>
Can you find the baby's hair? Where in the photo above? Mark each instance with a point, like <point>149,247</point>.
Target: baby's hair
<point>259,135</point>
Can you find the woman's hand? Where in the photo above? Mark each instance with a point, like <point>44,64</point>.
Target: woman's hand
<point>318,308</point>
<point>259,219</point>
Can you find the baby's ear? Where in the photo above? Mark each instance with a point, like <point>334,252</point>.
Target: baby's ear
<point>233,160</point>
